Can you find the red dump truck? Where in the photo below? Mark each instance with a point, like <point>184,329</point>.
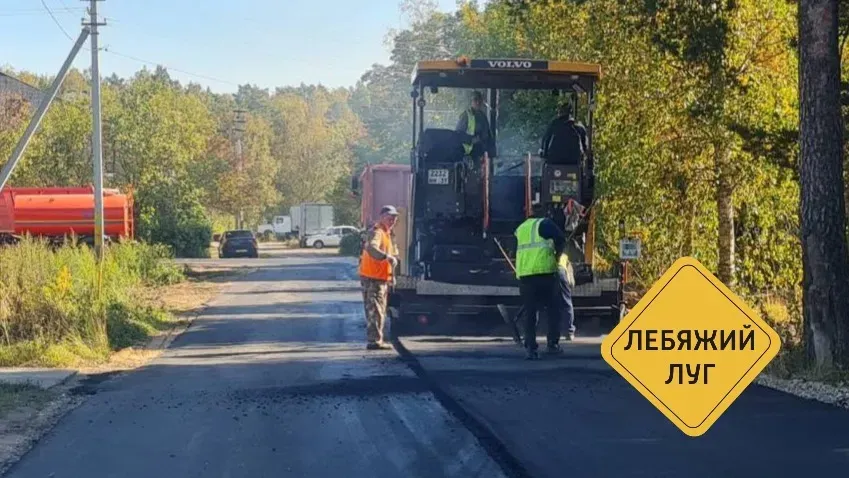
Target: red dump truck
<point>382,184</point>
<point>63,211</point>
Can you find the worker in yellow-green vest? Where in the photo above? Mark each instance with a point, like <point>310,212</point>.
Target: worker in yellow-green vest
<point>542,268</point>
<point>474,126</point>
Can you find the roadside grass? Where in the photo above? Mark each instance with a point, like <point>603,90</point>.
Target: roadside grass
<point>58,309</point>
<point>793,364</point>
<point>783,312</point>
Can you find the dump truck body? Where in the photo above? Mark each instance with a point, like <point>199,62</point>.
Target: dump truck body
<point>383,184</point>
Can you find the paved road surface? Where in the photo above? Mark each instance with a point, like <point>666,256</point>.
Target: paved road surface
<point>273,381</point>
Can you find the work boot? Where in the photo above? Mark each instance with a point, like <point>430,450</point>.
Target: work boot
<point>378,346</point>
<point>553,349</point>
<point>531,355</point>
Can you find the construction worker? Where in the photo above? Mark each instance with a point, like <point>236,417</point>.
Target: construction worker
<point>565,283</point>
<point>377,269</point>
<point>539,249</point>
<point>565,140</point>
<point>475,126</point>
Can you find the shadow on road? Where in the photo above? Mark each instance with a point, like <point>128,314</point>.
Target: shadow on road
<point>281,273</point>
<point>283,311</point>
<point>301,290</point>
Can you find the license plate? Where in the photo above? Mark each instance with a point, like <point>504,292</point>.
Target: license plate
<point>563,187</point>
<point>241,250</point>
<point>437,176</point>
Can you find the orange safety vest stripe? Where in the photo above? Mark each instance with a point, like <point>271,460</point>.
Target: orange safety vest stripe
<point>373,268</point>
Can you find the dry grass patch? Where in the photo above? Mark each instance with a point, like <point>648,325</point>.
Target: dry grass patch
<point>13,396</point>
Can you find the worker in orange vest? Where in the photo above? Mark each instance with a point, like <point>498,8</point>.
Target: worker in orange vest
<point>377,269</point>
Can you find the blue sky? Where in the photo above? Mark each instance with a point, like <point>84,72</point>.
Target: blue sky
<point>264,42</point>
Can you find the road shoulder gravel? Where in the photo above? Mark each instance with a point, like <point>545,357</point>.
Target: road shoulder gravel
<point>832,394</point>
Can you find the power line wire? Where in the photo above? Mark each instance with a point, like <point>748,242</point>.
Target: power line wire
<point>153,63</point>
<point>66,7</point>
<point>26,11</point>
<point>56,21</point>
<point>106,49</point>
<point>25,14</point>
<point>130,57</point>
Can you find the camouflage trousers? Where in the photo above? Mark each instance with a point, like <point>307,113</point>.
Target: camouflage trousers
<point>375,294</point>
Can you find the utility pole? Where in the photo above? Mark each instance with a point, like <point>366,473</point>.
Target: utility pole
<point>239,130</point>
<point>97,131</point>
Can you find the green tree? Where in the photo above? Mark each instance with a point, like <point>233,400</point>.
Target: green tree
<point>381,98</point>
<point>248,183</point>
<point>60,152</point>
<point>170,212</point>
<point>313,143</point>
<point>654,144</point>
<point>155,134</point>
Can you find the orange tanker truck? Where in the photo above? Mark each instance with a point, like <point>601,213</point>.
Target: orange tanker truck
<point>59,212</point>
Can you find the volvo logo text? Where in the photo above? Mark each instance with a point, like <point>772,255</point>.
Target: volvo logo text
<point>509,64</point>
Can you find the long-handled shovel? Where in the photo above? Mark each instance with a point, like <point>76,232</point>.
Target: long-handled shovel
<point>511,322</point>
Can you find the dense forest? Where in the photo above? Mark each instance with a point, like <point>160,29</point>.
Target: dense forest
<point>696,139</point>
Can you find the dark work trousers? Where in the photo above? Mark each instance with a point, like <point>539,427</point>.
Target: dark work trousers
<point>540,292</point>
<point>564,295</point>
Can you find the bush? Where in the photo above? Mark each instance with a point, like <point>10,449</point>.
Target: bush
<point>152,262</point>
<point>56,306</point>
<point>351,245</point>
<point>172,214</point>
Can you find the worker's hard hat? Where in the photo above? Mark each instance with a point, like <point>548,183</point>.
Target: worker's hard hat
<point>390,210</point>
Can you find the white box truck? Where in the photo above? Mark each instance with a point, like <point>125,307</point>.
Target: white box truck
<point>311,218</point>
<point>280,227</point>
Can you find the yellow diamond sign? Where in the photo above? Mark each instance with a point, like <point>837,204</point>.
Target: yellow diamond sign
<point>690,346</point>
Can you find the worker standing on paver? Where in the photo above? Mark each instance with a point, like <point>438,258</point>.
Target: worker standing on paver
<point>474,125</point>
<point>565,140</point>
<point>377,269</point>
<point>539,248</point>
<point>566,282</point>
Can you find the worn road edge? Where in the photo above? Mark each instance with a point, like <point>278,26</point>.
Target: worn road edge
<point>495,448</point>
<point>73,395</point>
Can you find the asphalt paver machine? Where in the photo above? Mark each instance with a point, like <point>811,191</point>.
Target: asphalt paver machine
<point>456,238</point>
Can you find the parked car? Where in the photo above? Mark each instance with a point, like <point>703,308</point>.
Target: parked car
<point>238,243</point>
<point>332,236</point>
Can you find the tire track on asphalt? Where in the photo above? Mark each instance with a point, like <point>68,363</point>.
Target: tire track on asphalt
<point>494,447</point>
<point>497,450</point>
